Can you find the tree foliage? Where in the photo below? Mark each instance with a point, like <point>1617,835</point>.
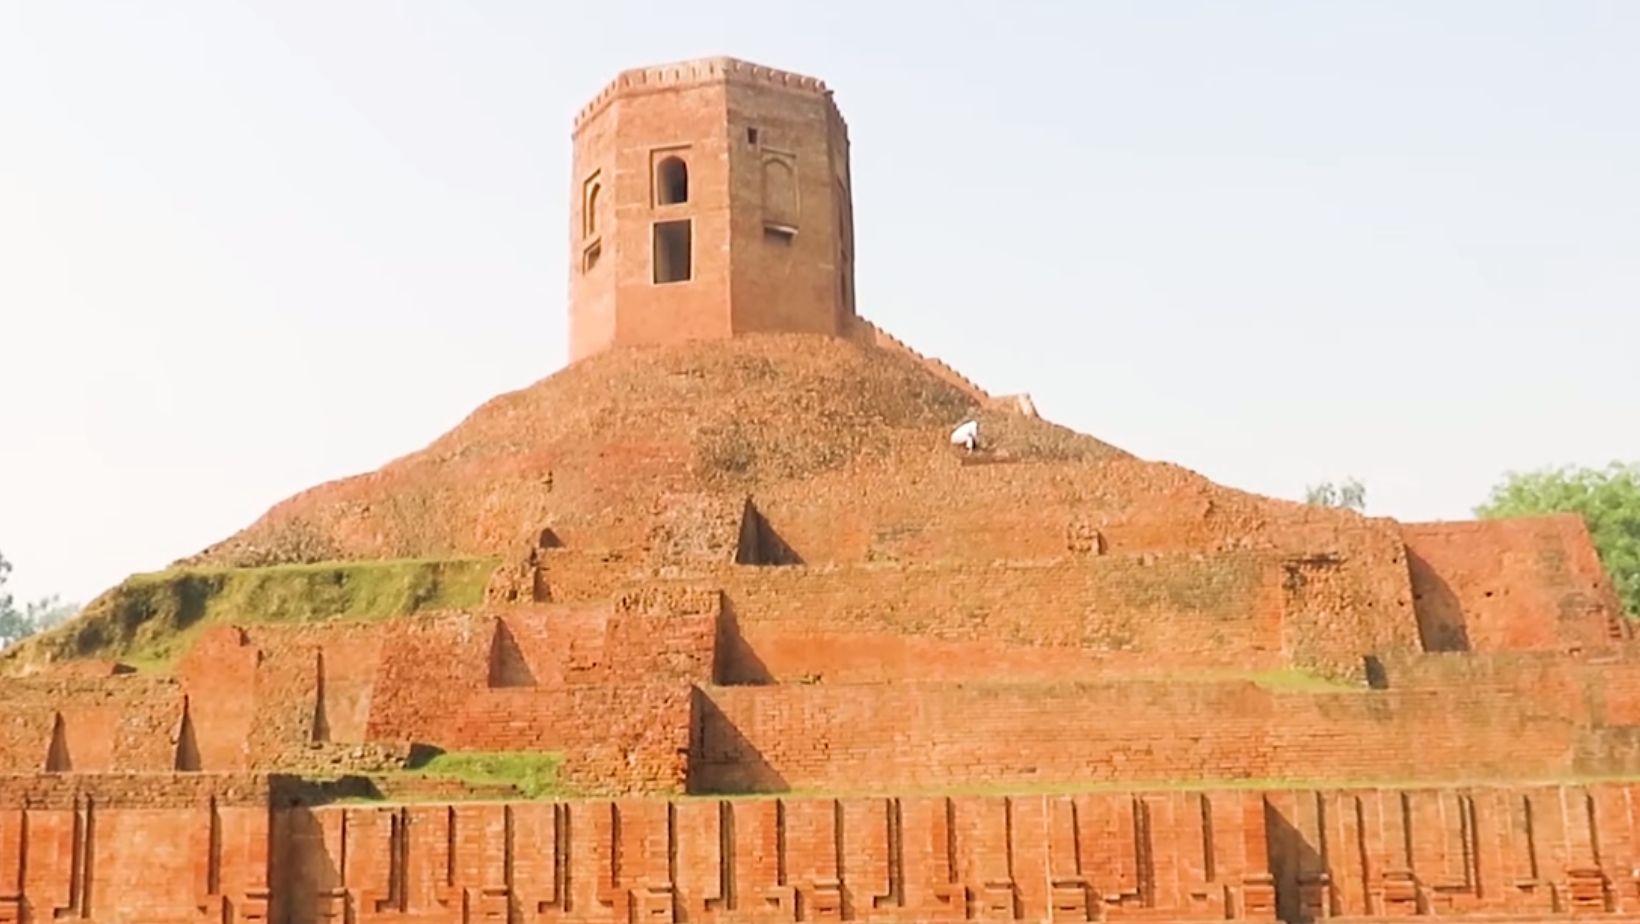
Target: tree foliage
<point>13,624</point>
<point>33,617</point>
<point>1349,494</point>
<point>1608,500</point>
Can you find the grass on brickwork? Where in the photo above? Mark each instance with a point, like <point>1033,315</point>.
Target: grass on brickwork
<point>148,620</point>
<point>1299,680</point>
<point>533,773</point>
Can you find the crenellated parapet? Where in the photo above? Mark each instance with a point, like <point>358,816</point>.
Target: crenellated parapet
<point>869,334</point>
<point>682,74</point>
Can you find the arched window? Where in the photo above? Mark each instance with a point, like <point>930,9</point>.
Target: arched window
<point>671,181</point>
<point>590,211</point>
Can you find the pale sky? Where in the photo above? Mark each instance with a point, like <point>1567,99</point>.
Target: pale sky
<point>247,247</point>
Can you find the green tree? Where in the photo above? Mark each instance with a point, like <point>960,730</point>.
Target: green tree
<point>1349,494</point>
<point>49,612</point>
<point>33,617</point>
<point>1608,500</point>
<point>13,624</point>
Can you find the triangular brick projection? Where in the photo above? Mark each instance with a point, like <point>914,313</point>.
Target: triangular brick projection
<point>57,758</point>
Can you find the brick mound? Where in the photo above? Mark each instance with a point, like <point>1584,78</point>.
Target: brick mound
<point>592,449</point>
<point>757,566</point>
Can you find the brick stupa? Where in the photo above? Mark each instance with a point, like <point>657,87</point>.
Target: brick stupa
<point>723,553</point>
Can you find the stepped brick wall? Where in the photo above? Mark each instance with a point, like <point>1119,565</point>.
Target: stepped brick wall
<point>89,725</point>
<point>607,686</point>
<point>824,622</point>
<point>429,665</point>
<point>356,695</point>
<point>1247,609</point>
<point>631,690</point>
<point>985,508</point>
<point>613,737</point>
<point>1443,717</point>
<point>118,849</point>
<point>840,737</point>
<point>1129,585</point>
<point>1511,585</point>
<point>221,670</point>
<point>705,661</point>
<point>1608,684</point>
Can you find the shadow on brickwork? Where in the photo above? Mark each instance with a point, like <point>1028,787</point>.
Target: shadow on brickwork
<point>508,666</point>
<point>304,866</point>
<point>321,716</point>
<point>1297,867</point>
<point>1441,623</point>
<point>759,543</point>
<point>287,791</point>
<point>187,758</point>
<point>734,662</point>
<point>721,759</point>
<point>57,757</point>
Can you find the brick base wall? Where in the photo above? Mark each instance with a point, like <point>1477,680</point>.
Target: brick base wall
<point>127,849</point>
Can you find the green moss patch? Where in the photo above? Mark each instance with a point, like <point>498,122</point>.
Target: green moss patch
<point>1300,680</point>
<point>150,619</point>
<point>535,774</point>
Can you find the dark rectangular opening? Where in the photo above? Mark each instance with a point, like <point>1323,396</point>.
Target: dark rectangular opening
<point>672,251</point>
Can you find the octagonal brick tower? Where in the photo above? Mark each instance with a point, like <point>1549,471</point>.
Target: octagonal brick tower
<point>710,198</point>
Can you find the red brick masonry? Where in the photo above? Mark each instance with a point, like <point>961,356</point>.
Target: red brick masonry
<point>733,563</point>
<point>82,850</point>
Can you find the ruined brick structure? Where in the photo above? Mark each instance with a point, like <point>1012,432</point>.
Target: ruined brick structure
<point>730,551</point>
